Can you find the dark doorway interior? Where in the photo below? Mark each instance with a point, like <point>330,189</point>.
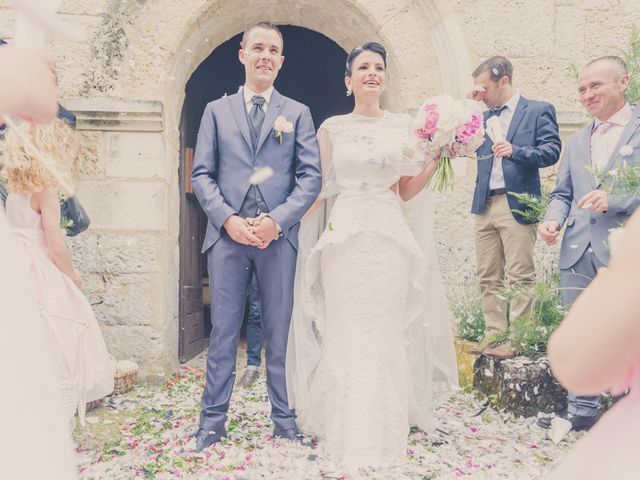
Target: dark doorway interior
<point>312,74</point>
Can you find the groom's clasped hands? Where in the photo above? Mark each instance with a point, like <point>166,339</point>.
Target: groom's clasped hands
<point>258,231</point>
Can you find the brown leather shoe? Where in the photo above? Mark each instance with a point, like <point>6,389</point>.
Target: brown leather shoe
<point>501,352</point>
<point>476,348</point>
<point>249,378</point>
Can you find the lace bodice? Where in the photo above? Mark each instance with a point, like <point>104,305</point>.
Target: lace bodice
<point>363,154</point>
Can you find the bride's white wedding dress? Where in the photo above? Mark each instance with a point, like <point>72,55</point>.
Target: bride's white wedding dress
<point>370,343</point>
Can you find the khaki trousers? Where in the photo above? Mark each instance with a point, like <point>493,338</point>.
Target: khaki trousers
<point>504,251</point>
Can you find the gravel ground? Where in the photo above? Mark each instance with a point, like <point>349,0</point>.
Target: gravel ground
<point>145,434</point>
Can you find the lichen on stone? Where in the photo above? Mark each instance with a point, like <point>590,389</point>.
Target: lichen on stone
<point>109,47</point>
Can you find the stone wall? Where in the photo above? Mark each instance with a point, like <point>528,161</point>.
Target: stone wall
<point>126,82</point>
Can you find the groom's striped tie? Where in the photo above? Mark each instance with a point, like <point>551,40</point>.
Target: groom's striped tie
<point>256,117</point>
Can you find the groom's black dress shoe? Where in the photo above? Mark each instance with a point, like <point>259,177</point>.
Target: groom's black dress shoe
<point>206,438</point>
<point>578,422</point>
<point>288,434</point>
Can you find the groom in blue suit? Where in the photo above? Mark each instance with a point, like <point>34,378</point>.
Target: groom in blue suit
<point>525,139</point>
<point>253,227</point>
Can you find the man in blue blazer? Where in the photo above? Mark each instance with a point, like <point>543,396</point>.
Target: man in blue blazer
<point>253,228</point>
<point>525,139</point>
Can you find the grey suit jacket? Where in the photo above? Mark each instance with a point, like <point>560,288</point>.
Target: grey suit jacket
<point>224,160</point>
<point>585,227</point>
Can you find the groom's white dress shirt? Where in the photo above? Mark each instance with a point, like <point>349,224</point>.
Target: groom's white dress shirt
<point>497,176</point>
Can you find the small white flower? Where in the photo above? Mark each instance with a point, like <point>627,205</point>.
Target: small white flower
<point>261,175</point>
<point>280,126</point>
<point>626,151</point>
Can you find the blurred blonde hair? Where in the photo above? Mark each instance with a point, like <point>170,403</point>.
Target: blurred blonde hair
<point>23,172</point>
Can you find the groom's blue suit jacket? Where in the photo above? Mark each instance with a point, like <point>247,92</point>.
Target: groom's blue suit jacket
<point>224,161</point>
<point>533,133</point>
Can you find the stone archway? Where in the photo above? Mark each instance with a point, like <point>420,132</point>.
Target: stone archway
<point>161,44</point>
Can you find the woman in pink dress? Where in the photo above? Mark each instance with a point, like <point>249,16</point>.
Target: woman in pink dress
<point>597,348</point>
<point>85,368</point>
<point>22,411</point>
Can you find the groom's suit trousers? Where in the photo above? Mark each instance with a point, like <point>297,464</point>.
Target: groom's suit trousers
<point>231,266</point>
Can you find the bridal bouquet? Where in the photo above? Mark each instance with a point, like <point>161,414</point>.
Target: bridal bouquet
<point>447,128</point>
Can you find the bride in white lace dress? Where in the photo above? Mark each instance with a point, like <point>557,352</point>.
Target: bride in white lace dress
<point>370,342</point>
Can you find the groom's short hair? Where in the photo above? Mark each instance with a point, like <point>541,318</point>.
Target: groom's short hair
<point>266,26</point>
<point>497,66</point>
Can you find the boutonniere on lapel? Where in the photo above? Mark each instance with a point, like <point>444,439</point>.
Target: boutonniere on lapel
<point>626,151</point>
<point>280,126</point>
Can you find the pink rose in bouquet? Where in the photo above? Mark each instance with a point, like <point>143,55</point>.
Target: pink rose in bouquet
<point>469,135</point>
<point>445,127</point>
<point>430,122</point>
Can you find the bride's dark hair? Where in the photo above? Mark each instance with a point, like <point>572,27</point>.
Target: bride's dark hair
<point>367,47</point>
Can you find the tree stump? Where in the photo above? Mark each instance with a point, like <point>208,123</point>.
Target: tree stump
<point>520,385</point>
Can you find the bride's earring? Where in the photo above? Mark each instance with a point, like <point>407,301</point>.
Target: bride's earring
<point>349,91</point>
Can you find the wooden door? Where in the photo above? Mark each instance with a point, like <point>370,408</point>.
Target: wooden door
<point>192,229</point>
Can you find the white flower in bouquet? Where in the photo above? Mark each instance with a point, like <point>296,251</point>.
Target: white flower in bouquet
<point>446,127</point>
<point>437,120</point>
<point>470,134</point>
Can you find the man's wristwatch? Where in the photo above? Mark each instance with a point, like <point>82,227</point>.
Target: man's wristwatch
<point>278,229</point>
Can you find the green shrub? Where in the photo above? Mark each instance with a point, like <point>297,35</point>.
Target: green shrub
<point>536,205</point>
<point>528,335</point>
<point>631,57</point>
<point>623,179</point>
<point>466,307</point>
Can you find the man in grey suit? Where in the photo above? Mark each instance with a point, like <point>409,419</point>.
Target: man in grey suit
<point>579,201</point>
<point>253,227</point>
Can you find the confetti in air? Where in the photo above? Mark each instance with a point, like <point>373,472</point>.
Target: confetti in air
<point>37,22</point>
<point>261,175</point>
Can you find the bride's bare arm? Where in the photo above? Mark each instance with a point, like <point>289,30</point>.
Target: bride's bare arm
<point>409,187</point>
<point>319,201</point>
<point>598,340</point>
<point>324,145</point>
